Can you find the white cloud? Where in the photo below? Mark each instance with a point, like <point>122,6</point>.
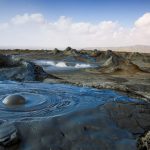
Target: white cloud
<point>3,26</point>
<point>143,21</point>
<point>140,33</point>
<point>26,18</point>
<point>33,30</point>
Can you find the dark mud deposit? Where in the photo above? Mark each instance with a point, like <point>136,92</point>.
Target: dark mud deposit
<point>108,110</point>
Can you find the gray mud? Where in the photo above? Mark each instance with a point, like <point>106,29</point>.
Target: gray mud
<point>112,126</point>
<point>66,117</point>
<point>44,100</point>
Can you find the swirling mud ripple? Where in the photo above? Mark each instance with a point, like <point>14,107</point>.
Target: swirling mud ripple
<point>44,100</point>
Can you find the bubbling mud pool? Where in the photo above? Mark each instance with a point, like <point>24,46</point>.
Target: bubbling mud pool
<point>44,100</point>
<point>57,66</point>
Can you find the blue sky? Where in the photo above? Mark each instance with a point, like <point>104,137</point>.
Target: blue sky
<point>124,11</point>
<point>93,23</point>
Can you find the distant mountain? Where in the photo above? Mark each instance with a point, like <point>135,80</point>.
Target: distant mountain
<point>135,48</point>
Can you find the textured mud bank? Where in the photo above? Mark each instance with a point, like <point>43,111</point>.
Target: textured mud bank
<point>109,126</point>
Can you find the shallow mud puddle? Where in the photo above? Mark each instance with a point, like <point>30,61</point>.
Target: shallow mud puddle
<point>43,100</point>
<point>56,66</point>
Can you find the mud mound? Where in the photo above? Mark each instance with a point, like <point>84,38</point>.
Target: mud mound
<point>95,53</point>
<point>139,57</point>
<point>56,51</point>
<point>71,52</point>
<point>23,71</point>
<point>102,56</point>
<point>118,64</point>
